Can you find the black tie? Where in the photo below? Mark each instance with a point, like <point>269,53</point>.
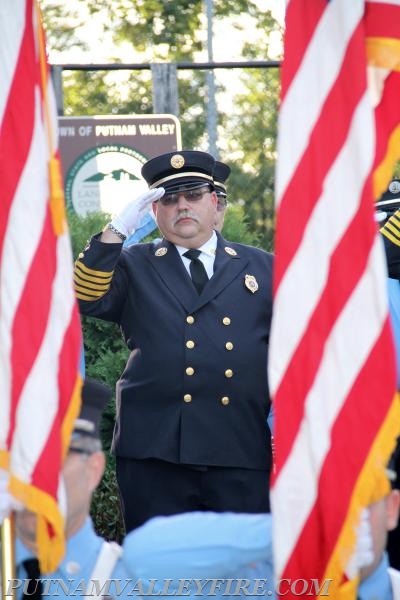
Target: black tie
<point>33,588</point>
<point>197,269</point>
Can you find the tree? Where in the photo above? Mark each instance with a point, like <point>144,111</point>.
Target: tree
<point>159,31</point>
<point>251,133</point>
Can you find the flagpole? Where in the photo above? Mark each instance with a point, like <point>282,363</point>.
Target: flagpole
<point>7,556</point>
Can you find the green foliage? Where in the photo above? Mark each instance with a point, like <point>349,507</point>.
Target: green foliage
<point>105,358</point>
<point>251,133</point>
<point>105,509</point>
<point>236,226</point>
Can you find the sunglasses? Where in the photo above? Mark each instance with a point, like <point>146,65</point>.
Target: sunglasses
<point>222,203</point>
<point>189,195</point>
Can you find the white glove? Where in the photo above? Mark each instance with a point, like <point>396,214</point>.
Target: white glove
<point>7,502</point>
<point>364,543</point>
<point>129,218</point>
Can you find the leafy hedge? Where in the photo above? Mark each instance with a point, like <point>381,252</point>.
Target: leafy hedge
<point>106,355</point>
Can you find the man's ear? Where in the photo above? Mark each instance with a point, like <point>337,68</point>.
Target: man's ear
<point>155,206</point>
<point>392,509</point>
<point>97,462</point>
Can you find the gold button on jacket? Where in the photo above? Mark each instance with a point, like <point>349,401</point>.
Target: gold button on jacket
<point>228,373</point>
<point>189,371</point>
<point>225,400</point>
<point>187,398</point>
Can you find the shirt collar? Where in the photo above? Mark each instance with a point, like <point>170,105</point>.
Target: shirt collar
<point>208,248</point>
<point>377,585</point>
<point>80,548</point>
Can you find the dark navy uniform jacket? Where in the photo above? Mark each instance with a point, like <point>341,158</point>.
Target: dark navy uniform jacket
<point>391,237</point>
<point>194,390</point>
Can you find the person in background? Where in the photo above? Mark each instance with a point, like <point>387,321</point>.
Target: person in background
<point>378,579</point>
<point>87,556</point>
<point>126,571</point>
<point>388,216</point>
<point>222,554</point>
<point>195,312</point>
<point>201,546</point>
<point>221,174</point>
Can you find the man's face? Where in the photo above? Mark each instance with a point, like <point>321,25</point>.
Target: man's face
<point>220,214</point>
<point>81,474</point>
<point>384,516</point>
<point>187,222</point>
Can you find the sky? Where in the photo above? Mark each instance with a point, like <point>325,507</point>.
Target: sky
<point>101,47</point>
<point>102,50</point>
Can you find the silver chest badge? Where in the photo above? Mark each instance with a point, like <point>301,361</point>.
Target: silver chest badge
<point>251,283</point>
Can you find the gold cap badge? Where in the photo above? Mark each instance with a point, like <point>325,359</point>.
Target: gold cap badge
<point>161,251</point>
<point>177,161</point>
<point>230,251</point>
<point>251,283</point>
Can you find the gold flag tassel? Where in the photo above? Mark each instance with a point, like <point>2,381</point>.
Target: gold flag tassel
<point>57,203</point>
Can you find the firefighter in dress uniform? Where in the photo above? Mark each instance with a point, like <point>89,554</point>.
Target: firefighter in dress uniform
<point>193,399</point>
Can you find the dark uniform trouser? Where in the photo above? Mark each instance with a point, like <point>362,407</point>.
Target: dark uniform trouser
<point>152,487</point>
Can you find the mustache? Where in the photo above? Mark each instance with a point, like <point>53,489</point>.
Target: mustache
<point>184,215</point>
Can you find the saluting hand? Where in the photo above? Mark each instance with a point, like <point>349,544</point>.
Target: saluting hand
<point>129,218</point>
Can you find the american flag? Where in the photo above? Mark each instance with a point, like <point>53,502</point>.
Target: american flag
<point>332,367</point>
<point>40,333</point>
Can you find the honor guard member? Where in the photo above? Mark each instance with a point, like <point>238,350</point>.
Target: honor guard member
<point>221,174</point>
<point>378,579</point>
<point>388,216</point>
<point>195,312</point>
<point>88,557</point>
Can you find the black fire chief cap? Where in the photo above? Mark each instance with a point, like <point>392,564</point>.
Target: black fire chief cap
<point>175,171</point>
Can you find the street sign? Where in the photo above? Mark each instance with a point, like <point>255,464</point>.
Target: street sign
<point>102,157</point>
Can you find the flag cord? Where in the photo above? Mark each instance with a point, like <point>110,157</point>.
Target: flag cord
<point>57,205</point>
<point>43,74</point>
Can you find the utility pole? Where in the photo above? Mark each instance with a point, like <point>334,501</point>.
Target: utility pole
<point>165,89</point>
<point>211,105</point>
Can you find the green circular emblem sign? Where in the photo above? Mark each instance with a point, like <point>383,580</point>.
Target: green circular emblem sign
<point>104,178</point>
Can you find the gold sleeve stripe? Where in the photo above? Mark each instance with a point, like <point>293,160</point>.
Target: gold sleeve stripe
<point>89,271</point>
<point>389,236</point>
<point>84,297</point>
<point>91,294</point>
<point>391,229</point>
<point>91,286</point>
<point>91,281</point>
<point>86,277</point>
<point>395,218</point>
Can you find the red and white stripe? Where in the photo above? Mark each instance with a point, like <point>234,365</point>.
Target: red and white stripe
<point>330,308</point>
<point>40,336</point>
